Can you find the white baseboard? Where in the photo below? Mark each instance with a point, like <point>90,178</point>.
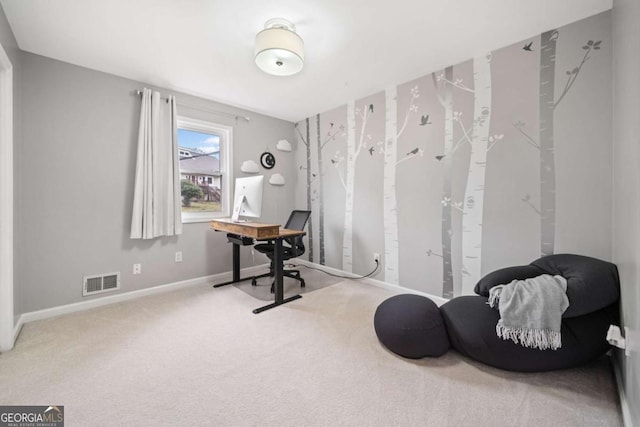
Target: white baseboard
<point>380,284</point>
<point>112,299</point>
<point>624,403</point>
<point>17,328</point>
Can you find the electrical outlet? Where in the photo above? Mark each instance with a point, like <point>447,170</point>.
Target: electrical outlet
<point>137,268</point>
<point>376,257</point>
<point>178,256</point>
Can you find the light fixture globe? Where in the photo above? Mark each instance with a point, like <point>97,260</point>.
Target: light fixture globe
<point>279,50</point>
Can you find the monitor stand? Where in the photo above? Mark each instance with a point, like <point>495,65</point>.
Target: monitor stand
<point>237,208</point>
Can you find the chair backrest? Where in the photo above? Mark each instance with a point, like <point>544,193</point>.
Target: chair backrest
<point>297,221</point>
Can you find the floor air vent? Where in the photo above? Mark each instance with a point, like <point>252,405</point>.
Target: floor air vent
<point>100,283</point>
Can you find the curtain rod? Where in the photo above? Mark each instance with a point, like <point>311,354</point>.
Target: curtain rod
<point>220,113</point>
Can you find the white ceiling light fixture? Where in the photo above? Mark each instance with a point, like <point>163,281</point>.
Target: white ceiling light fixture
<point>279,49</point>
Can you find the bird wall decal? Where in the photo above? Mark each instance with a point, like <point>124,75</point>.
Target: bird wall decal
<point>424,120</point>
<point>371,150</point>
<point>527,47</point>
<point>414,151</point>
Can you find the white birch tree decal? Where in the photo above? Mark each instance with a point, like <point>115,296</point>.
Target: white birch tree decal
<point>390,205</point>
<point>445,83</point>
<point>354,148</point>
<point>472,220</point>
<point>546,144</point>
<point>446,100</point>
<point>320,146</point>
<point>307,144</point>
<point>547,156</point>
<point>320,193</point>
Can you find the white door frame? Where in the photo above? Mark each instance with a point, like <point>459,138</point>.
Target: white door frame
<point>7,335</point>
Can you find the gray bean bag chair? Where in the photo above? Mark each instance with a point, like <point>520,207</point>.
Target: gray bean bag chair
<point>411,326</point>
<point>593,290</point>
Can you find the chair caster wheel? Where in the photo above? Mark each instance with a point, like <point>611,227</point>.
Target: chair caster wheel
<point>302,284</point>
<point>253,282</point>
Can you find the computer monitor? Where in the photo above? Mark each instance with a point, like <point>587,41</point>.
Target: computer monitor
<point>247,200</point>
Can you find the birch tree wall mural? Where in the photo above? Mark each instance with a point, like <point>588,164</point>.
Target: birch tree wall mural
<point>390,203</point>
<point>307,143</point>
<point>391,274</point>
<point>448,206</point>
<point>320,194</point>
<point>354,148</point>
<point>474,193</point>
<point>321,143</point>
<point>446,83</point>
<point>546,144</point>
<point>446,100</point>
<point>547,162</point>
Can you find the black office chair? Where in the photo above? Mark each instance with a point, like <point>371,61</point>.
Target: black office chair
<point>292,247</point>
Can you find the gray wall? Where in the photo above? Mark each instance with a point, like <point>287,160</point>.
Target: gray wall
<point>626,182</point>
<point>10,46</point>
<point>75,179</point>
<point>512,187</point>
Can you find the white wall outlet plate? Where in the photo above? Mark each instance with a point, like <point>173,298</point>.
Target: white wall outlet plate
<point>137,268</point>
<point>179,256</point>
<point>632,339</point>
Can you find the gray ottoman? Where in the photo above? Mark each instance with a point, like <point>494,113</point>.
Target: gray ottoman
<point>411,326</point>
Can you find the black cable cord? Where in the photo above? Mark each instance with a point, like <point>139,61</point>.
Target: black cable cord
<point>337,275</point>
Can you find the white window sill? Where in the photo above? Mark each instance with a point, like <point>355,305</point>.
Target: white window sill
<point>206,217</point>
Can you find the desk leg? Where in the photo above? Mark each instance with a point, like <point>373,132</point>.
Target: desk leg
<point>277,263</point>
<point>279,288</point>
<point>236,268</point>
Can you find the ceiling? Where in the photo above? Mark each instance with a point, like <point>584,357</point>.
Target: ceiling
<point>353,48</point>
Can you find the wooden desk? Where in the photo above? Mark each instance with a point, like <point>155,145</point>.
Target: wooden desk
<point>256,230</point>
<point>259,231</point>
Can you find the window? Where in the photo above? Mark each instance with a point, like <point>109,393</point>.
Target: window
<point>204,150</point>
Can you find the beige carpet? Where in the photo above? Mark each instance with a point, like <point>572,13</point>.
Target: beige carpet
<point>200,357</point>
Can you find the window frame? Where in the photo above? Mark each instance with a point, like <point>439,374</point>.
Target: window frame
<point>226,166</point>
